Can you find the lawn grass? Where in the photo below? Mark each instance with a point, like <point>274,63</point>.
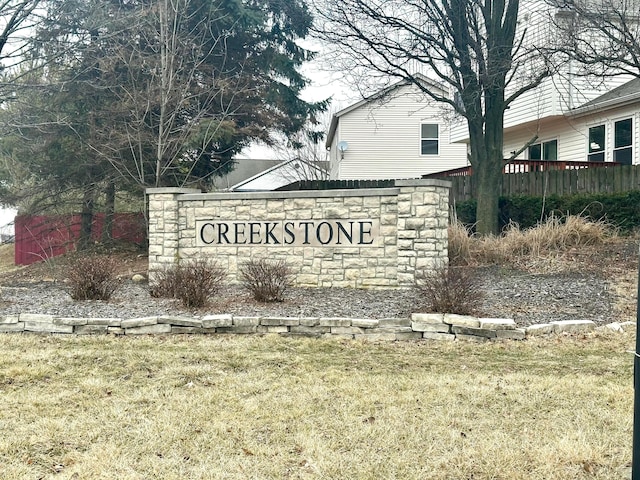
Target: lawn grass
<point>253,407</point>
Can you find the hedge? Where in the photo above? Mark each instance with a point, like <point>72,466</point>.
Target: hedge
<point>622,210</point>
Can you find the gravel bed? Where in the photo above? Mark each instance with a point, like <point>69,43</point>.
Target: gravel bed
<point>528,299</point>
<point>538,298</point>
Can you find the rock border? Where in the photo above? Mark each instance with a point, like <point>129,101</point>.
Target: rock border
<point>421,326</point>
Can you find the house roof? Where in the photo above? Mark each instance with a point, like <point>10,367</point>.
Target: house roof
<point>377,96</point>
<point>625,93</point>
<point>278,176</point>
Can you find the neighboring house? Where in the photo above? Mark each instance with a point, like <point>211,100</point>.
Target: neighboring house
<point>282,174</point>
<point>603,128</point>
<point>397,133</point>
<point>568,117</point>
<point>243,169</point>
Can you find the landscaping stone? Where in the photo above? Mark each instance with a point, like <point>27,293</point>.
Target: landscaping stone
<point>309,322</point>
<point>628,326</point>
<point>215,321</point>
<point>70,321</point>
<point>12,327</point>
<point>37,318</point>
<point>540,329</point>
<point>190,330</point>
<point>516,334</point>
<point>311,331</point>
<point>461,320</point>
<point>246,321</point>
<point>90,329</point>
<point>138,322</point>
<point>181,321</point>
<point>430,327</point>
<point>9,319</point>
<point>46,327</point>
<point>347,330</point>
<point>393,330</point>
<point>157,329</point>
<point>573,326</point>
<point>138,278</point>
<point>471,331</point>
<point>498,323</point>
<point>110,322</point>
<point>428,318</point>
<point>364,323</point>
<point>276,321</point>
<point>334,322</point>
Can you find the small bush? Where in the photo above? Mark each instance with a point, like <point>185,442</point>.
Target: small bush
<point>193,282</point>
<point>449,289</point>
<point>93,278</point>
<point>266,280</point>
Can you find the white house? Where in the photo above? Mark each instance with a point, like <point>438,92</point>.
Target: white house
<point>603,128</point>
<point>569,117</point>
<point>397,133</point>
<point>281,174</point>
<point>401,133</point>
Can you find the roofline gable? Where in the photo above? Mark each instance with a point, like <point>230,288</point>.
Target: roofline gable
<point>376,96</point>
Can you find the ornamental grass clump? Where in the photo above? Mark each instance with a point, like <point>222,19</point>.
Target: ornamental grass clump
<point>93,278</point>
<point>266,280</point>
<point>448,289</point>
<point>193,282</point>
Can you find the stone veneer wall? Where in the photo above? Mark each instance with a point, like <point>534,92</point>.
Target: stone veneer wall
<point>411,221</point>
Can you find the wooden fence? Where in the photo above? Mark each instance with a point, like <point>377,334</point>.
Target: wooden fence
<point>619,178</point>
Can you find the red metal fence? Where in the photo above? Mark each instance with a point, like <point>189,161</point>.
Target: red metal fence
<point>41,237</point>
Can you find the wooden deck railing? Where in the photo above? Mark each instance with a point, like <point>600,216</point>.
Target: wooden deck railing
<point>526,166</point>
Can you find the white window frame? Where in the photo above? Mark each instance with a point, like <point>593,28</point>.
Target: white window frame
<point>542,150</point>
<point>437,139</point>
<point>624,147</point>
<point>603,150</point>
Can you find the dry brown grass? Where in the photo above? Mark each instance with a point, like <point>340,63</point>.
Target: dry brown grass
<point>217,407</point>
<point>515,246</point>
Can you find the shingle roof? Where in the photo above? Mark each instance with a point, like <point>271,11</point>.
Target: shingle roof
<point>622,94</point>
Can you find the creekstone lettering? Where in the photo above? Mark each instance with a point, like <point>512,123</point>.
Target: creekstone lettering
<point>339,233</point>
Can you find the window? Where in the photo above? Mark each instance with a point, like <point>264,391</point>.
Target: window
<point>544,151</point>
<point>596,144</point>
<point>429,139</point>
<point>623,139</point>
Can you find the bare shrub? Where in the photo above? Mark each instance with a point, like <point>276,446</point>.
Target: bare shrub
<point>93,278</point>
<point>449,289</point>
<point>164,283</point>
<point>193,282</point>
<point>266,280</point>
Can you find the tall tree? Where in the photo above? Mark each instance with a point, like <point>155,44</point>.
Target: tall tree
<point>192,82</point>
<point>601,37</point>
<point>476,47</point>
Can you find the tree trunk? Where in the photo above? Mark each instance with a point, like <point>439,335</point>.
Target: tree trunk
<point>109,212</point>
<point>489,182</point>
<point>86,217</point>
